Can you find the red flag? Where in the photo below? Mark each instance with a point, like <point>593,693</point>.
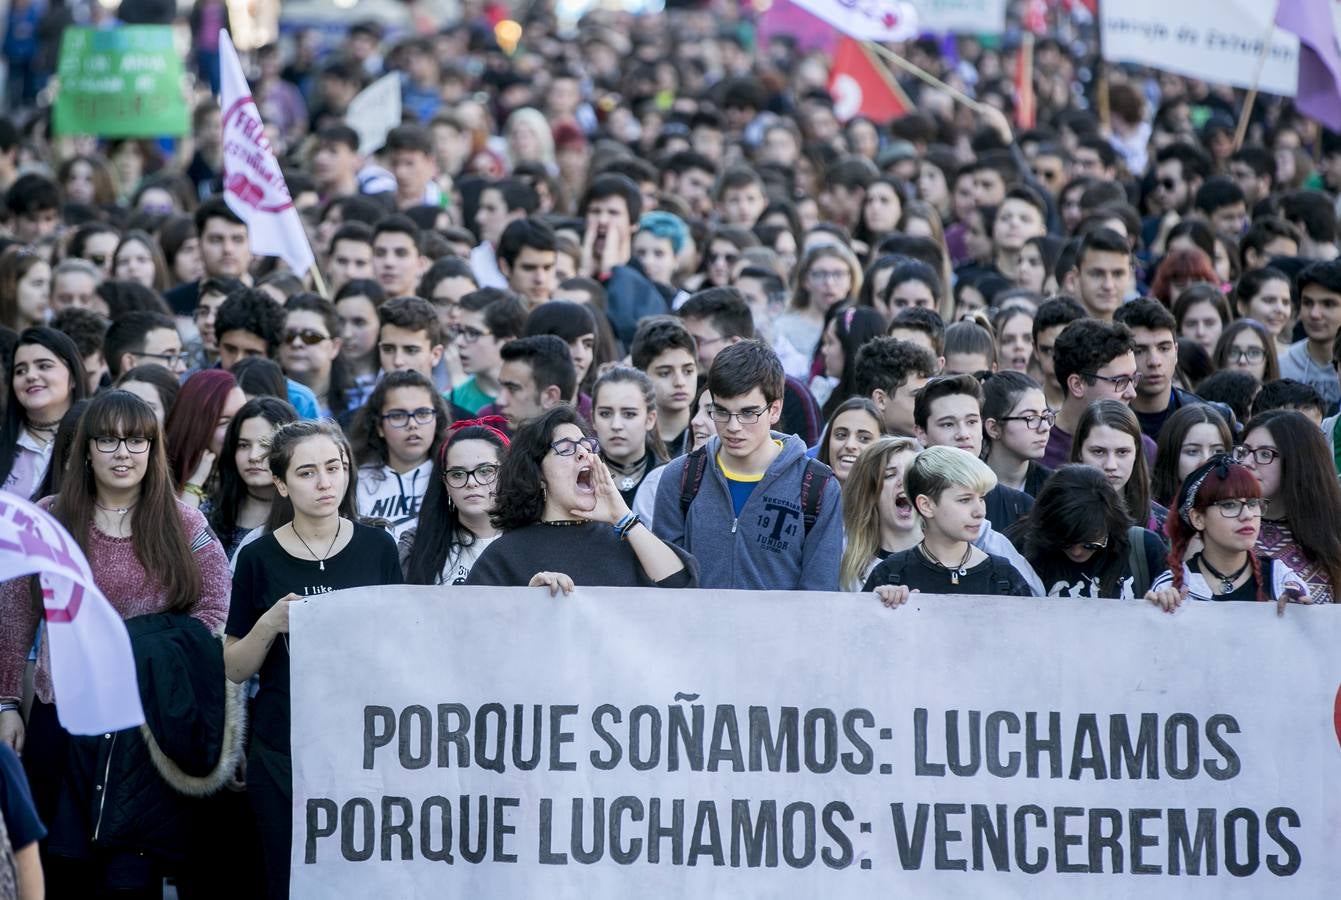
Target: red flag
<point>1026,109</point>
<point>862,86</point>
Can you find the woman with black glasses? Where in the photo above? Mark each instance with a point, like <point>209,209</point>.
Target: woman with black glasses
<point>454,526</point>
<point>394,437</point>
<point>1016,422</point>
<point>1079,538</point>
<point>1288,454</point>
<point>564,522</point>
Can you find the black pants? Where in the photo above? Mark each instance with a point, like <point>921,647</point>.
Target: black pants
<point>270,789</point>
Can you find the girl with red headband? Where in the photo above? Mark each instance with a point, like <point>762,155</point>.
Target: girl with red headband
<point>1220,502</point>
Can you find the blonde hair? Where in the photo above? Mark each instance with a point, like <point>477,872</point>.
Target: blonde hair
<point>937,469</point>
<point>534,119</point>
<point>801,293</point>
<point>861,507</point>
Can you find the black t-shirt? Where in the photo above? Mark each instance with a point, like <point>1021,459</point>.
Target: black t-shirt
<point>994,575</point>
<point>266,572</point>
<point>16,802</point>
<point>589,553</point>
<point>1246,592</point>
<point>1063,578</point>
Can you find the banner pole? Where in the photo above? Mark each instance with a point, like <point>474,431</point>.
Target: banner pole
<point>925,76</point>
<point>1241,131</point>
<point>318,280</point>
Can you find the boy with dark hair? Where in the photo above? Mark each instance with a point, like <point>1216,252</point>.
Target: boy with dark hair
<point>890,372</point>
<point>611,207</point>
<point>1286,393</point>
<point>845,183</point>
<point>947,412</point>
<point>1266,238</point>
<point>750,506</point>
<point>1093,361</point>
<point>410,151</point>
<point>1312,213</point>
<point>1221,201</point>
<point>1253,169</point>
<point>336,162</point>
<point>1317,296</point>
<point>1053,315</point>
<point>1104,274</point>
<point>142,337</point>
<point>225,250</point>
<point>250,323</point>
<point>35,203</point>
<point>1154,335</point>
<point>537,375</point>
<point>528,257</point>
<point>1180,170</point>
<point>350,255</point>
<point>485,321</point>
<point>410,336</point>
<point>88,330</point>
<point>1094,157</point>
<point>720,317</point>
<point>398,259</point>
<point>921,326</point>
<point>500,204</point>
<point>665,351</point>
<point>690,176</point>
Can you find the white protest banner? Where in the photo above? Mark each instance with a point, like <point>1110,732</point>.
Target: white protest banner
<point>92,667</point>
<point>1219,41</point>
<point>961,16</point>
<point>374,111</point>
<point>693,744</point>
<point>867,20</point>
<point>253,182</point>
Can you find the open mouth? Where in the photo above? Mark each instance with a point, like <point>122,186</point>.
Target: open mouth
<point>846,460</point>
<point>584,481</point>
<point>121,470</point>
<point>903,507</point>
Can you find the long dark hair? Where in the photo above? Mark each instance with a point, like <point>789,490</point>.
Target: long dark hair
<point>232,489</point>
<point>1075,505</point>
<point>853,326</point>
<point>161,543</point>
<point>521,485</point>
<point>369,446</point>
<point>439,533</point>
<point>1164,474</point>
<point>282,444</point>
<point>1118,416</point>
<point>1308,487</point>
<point>15,415</point>
<point>60,452</point>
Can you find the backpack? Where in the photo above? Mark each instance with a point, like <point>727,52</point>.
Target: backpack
<point>1136,561</point>
<point>814,479</point>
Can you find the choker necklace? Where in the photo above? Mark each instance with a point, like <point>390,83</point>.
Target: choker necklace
<point>628,475</point>
<point>321,560</point>
<point>114,509</point>
<point>558,523</point>
<point>1226,581</point>
<point>956,572</point>
<point>44,426</point>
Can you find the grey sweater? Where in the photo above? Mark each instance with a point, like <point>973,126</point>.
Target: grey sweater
<point>766,548</point>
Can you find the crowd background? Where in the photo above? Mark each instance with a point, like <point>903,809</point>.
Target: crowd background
<point>626,289</point>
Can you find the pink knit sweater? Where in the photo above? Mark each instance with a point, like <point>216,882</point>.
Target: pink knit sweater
<point>128,587</point>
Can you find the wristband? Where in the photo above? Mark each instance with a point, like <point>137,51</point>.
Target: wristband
<point>623,524</point>
<point>627,524</point>
<point>8,706</point>
<point>194,490</point>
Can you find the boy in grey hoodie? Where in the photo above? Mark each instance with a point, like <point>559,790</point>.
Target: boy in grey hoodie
<point>754,511</point>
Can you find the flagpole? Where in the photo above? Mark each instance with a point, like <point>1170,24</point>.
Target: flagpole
<point>1241,131</point>
<point>316,276</point>
<point>927,77</point>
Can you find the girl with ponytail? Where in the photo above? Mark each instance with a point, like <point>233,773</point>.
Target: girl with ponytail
<point>1220,503</point>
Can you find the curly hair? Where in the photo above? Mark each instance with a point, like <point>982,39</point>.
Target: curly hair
<point>521,483</point>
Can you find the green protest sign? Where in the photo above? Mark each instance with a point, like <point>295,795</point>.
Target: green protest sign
<point>121,82</point>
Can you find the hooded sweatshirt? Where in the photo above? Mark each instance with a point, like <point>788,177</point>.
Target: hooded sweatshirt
<point>766,547</point>
<point>384,493</point>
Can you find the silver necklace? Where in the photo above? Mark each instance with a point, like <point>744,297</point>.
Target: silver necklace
<point>321,560</point>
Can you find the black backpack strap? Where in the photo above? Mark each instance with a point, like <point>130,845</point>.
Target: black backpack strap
<point>1136,561</point>
<point>813,482</point>
<point>691,477</point>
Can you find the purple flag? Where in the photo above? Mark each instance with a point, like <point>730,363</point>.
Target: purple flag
<point>1319,59</point>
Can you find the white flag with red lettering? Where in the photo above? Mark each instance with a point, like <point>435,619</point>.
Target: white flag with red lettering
<point>869,20</point>
<point>254,186</point>
<point>92,666</point>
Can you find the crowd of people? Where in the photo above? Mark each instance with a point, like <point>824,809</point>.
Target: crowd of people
<point>632,306</point>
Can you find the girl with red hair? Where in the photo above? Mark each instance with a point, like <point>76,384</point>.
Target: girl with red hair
<point>1221,504</point>
<point>1181,269</point>
<point>196,428</point>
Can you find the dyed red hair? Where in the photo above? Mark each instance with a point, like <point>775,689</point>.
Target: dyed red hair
<point>1184,264</point>
<point>191,423</point>
<point>1238,483</point>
